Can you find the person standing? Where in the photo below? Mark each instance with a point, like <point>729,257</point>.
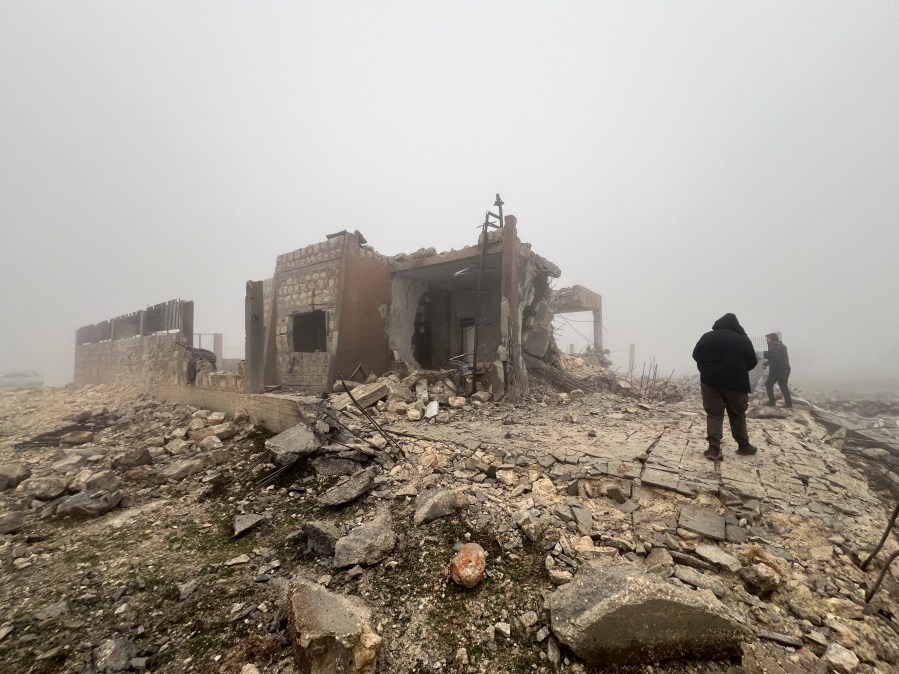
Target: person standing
<point>778,369</point>
<point>724,357</point>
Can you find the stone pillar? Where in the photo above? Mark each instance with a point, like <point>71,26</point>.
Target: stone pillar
<point>143,323</point>
<point>518,385</point>
<point>217,348</point>
<point>187,338</point>
<point>254,350</point>
<point>597,329</point>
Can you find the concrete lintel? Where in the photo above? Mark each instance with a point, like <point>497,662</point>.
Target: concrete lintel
<point>576,298</point>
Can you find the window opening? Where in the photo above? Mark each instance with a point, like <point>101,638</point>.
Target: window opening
<point>309,332</point>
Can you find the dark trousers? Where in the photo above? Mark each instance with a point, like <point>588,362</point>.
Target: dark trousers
<point>715,401</point>
<point>779,378</point>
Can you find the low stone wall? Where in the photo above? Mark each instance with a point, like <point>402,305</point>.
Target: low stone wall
<point>222,381</point>
<point>155,359</point>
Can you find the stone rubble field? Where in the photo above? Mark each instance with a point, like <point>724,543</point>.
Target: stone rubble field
<point>574,532</point>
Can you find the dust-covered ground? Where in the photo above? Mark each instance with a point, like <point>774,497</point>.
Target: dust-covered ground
<point>160,583</point>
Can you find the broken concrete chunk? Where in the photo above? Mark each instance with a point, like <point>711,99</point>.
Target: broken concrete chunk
<point>321,537</point>
<point>350,489</point>
<point>182,469</point>
<point>331,632</point>
<point>366,395</point>
<point>366,544</point>
<point>434,504</point>
<point>292,444</point>
<point>760,579</point>
<point>88,504</point>
<point>622,614</point>
<point>702,521</point>
<point>482,396</point>
<point>715,555</point>
<point>659,561</point>
<point>132,458</point>
<point>328,466</point>
<point>243,523</point>
<point>114,655</point>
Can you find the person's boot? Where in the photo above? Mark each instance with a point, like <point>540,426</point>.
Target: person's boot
<point>713,453</point>
<point>746,450</point>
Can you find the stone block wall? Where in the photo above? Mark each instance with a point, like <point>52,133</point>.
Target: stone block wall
<point>155,359</point>
<point>305,280</point>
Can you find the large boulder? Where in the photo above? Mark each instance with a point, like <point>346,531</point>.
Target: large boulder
<point>366,544</point>
<point>11,522</point>
<point>620,613</point>
<point>11,474</point>
<point>331,633</point>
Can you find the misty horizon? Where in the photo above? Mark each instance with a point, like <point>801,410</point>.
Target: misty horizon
<point>683,162</point>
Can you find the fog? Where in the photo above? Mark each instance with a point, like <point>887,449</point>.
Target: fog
<point>683,160</point>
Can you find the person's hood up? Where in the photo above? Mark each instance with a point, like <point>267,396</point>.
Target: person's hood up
<point>729,322</point>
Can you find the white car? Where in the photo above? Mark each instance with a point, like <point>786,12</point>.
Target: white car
<point>20,379</point>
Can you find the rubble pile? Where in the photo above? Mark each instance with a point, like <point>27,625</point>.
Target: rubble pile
<point>418,530</point>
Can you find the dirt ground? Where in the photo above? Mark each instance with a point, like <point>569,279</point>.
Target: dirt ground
<point>162,576</point>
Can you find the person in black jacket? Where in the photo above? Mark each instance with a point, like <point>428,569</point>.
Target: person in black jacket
<point>724,357</point>
<point>778,369</point>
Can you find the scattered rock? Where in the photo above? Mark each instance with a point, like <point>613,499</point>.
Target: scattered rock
<point>760,579</point>
<point>367,544</point>
<point>622,614</point>
<point>11,474</point>
<point>89,504</point>
<point>468,566</point>
<point>331,633</point>
<point>42,488</point>
<point>243,523</point>
<point>840,659</point>
<point>11,522</point>
<point>292,444</point>
<point>76,438</point>
<point>321,537</point>
<point>114,655</point>
<point>434,504</point>
<point>350,489</point>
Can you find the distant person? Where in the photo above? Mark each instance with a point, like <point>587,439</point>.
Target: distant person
<point>778,369</point>
<point>724,357</point>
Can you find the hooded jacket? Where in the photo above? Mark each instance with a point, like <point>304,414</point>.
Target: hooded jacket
<point>778,359</point>
<point>725,356</point>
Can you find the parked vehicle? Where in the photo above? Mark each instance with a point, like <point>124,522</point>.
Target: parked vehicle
<point>20,379</point>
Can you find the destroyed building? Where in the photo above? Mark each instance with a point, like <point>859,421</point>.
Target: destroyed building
<point>339,309</point>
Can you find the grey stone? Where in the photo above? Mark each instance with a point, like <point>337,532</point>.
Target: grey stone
<point>328,466</point>
<point>292,444</point>
<point>654,477</point>
<point>11,474</point>
<point>88,504</point>
<point>321,537</point>
<point>702,521</point>
<point>76,438</point>
<point>840,659</point>
<point>51,611</point>
<point>69,463</point>
<point>366,395</point>
<point>760,579</point>
<point>659,561</point>
<point>433,504</point>
<point>182,469</point>
<point>622,614</point>
<point>331,633</point>
<point>11,522</point>
<point>350,489</point>
<point>177,446</point>
<point>105,479</point>
<point>366,544</point>
<point>243,523</point>
<point>584,519</point>
<point>114,655</point>
<point>699,580</point>
<point>210,443</point>
<point>42,488</point>
<point>715,555</point>
<point>132,458</point>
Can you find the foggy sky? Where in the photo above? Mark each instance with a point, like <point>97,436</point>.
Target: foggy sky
<point>682,159</point>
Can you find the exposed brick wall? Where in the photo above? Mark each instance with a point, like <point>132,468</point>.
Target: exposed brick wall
<point>155,359</point>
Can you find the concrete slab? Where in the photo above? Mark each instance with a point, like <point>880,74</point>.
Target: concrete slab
<point>702,521</point>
